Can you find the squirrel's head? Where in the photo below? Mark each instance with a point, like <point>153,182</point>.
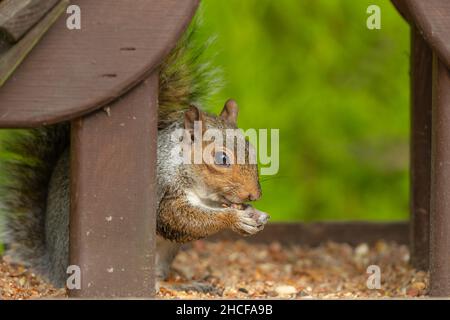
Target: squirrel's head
<point>228,172</point>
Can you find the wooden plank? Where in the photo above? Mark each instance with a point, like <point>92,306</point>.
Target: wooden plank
<point>113,204</point>
<point>440,182</point>
<point>73,72</point>
<point>432,18</point>
<point>18,16</point>
<point>421,100</point>
<point>314,234</point>
<point>12,56</point>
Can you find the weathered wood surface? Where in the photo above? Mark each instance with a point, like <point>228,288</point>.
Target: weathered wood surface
<point>314,234</point>
<point>12,55</point>
<point>421,100</point>
<point>440,182</point>
<point>18,16</point>
<point>432,18</point>
<point>112,226</point>
<point>73,72</point>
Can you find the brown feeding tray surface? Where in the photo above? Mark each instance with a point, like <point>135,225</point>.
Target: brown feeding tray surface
<point>239,269</point>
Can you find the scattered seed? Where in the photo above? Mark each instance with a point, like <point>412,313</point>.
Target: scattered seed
<point>247,271</point>
<point>285,290</point>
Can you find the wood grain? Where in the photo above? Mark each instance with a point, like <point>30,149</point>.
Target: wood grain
<point>73,72</point>
<point>18,16</point>
<point>12,56</point>
<point>112,226</point>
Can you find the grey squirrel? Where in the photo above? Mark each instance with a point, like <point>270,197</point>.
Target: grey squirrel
<point>194,201</point>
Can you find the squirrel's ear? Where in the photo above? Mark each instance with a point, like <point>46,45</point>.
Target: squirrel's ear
<point>230,111</point>
<point>190,116</point>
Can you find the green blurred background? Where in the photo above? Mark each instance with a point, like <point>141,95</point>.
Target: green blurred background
<point>337,91</point>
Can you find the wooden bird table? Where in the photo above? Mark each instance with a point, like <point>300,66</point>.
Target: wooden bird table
<point>72,75</point>
<point>112,62</point>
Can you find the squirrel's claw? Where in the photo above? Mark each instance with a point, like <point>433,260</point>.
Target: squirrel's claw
<point>250,221</point>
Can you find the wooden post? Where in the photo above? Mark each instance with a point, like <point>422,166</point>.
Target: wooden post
<point>440,182</point>
<point>421,99</point>
<point>112,225</point>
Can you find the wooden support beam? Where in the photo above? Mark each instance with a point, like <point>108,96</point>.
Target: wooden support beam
<point>420,152</point>
<point>112,225</point>
<point>440,182</point>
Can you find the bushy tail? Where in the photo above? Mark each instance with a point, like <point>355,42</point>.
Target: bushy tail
<point>28,158</point>
<point>188,75</point>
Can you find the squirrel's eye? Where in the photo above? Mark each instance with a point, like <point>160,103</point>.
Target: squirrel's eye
<point>221,159</point>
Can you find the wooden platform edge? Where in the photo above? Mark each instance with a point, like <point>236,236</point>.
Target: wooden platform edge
<point>313,234</point>
<point>429,17</point>
<point>32,111</point>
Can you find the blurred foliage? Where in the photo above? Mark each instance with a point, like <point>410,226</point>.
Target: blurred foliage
<point>338,92</point>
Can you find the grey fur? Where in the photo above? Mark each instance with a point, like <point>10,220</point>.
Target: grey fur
<point>57,222</point>
<point>26,172</point>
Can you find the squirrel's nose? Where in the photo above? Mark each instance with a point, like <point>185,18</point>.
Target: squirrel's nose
<point>252,196</point>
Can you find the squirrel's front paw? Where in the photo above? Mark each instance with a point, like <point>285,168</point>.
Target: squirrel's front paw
<point>250,221</point>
